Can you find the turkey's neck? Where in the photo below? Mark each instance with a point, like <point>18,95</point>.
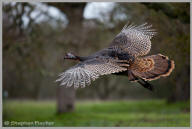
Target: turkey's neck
<point>81,58</point>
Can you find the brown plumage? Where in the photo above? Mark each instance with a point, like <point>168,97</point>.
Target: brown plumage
<point>124,56</point>
<point>152,67</point>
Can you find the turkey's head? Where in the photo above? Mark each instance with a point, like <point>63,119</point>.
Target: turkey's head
<point>70,56</point>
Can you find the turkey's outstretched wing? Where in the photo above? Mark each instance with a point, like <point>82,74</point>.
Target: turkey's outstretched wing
<point>83,73</point>
<point>134,39</point>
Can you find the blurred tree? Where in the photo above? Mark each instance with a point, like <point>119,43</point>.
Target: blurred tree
<point>172,10</point>
<point>16,50</point>
<point>14,29</point>
<point>181,13</point>
<point>74,12</point>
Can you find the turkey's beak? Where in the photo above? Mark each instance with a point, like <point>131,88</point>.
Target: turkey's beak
<point>65,57</point>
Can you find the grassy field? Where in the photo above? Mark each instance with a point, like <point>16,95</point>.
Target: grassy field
<point>97,113</point>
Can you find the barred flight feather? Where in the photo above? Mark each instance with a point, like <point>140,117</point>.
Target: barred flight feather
<point>134,39</point>
<point>82,74</point>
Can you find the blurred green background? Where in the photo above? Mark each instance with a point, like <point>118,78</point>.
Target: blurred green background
<point>37,35</point>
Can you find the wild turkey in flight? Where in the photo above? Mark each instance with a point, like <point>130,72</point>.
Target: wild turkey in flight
<point>124,56</point>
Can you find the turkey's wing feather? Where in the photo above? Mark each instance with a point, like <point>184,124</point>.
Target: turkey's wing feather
<point>134,39</point>
<point>83,73</point>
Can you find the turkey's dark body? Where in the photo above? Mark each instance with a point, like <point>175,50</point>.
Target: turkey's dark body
<point>115,54</point>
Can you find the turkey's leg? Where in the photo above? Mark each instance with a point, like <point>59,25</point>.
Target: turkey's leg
<point>144,83</point>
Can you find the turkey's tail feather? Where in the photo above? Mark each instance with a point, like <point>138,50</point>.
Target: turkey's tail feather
<point>152,67</point>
